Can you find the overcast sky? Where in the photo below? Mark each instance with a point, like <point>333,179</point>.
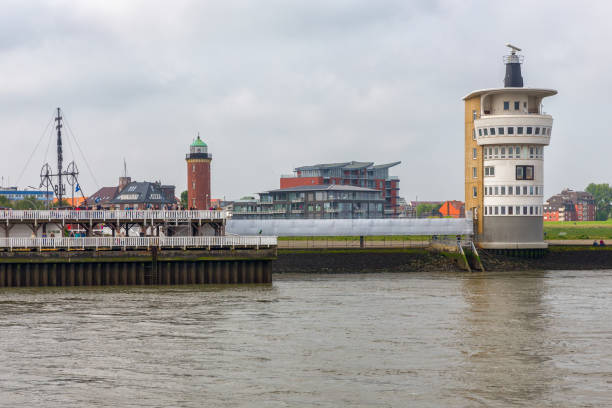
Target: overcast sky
<point>272,85</point>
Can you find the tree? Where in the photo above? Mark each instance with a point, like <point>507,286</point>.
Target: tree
<point>29,203</point>
<point>602,193</point>
<point>428,209</point>
<point>5,202</point>
<point>185,199</point>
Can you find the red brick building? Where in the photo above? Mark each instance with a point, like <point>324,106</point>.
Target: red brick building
<point>570,205</point>
<point>359,174</point>
<point>198,176</point>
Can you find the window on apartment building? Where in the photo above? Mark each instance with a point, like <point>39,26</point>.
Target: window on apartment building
<point>486,210</point>
<point>517,105</point>
<point>511,130</point>
<point>518,210</point>
<point>474,172</point>
<point>486,132</point>
<point>503,190</point>
<point>530,190</point>
<point>489,171</point>
<point>496,210</point>
<point>519,130</point>
<point>500,131</point>
<point>530,210</point>
<point>492,130</point>
<point>517,190</point>
<point>524,210</point>
<point>193,202</point>
<point>503,152</point>
<point>474,153</point>
<point>506,105</point>
<point>496,190</point>
<point>529,130</point>
<point>193,185</point>
<point>503,210</point>
<point>193,168</point>
<point>524,173</point>
<point>474,192</point>
<point>537,131</point>
<point>474,134</point>
<point>524,190</point>
<point>510,208</point>
<point>474,114</point>
<point>479,132</point>
<point>510,189</point>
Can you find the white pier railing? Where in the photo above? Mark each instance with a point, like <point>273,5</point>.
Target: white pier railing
<point>110,215</point>
<point>138,242</point>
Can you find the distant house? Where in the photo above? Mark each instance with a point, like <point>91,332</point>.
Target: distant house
<point>454,209</point>
<point>570,205</point>
<point>133,195</point>
<point>143,195</point>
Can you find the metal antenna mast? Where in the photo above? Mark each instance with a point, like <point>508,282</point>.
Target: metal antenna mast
<point>70,174</point>
<point>60,158</point>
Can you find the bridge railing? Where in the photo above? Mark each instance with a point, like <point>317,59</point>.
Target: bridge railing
<point>103,215</point>
<point>138,242</point>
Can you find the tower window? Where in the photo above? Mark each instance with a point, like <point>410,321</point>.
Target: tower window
<point>489,171</point>
<point>524,173</point>
<point>474,192</point>
<point>510,130</point>
<point>474,153</point>
<point>193,185</point>
<point>506,105</point>
<point>509,190</point>
<point>503,210</point>
<point>529,130</point>
<point>519,130</point>
<point>474,134</point>
<point>510,208</point>
<point>492,130</point>
<point>486,132</point>
<point>517,105</point>
<point>474,114</point>
<point>479,132</point>
<point>193,168</point>
<point>503,190</point>
<point>474,172</point>
<point>537,131</point>
<point>500,131</point>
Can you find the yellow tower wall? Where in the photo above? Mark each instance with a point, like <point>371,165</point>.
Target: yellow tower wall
<point>474,204</point>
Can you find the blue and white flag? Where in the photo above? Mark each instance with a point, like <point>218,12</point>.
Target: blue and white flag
<point>78,188</point>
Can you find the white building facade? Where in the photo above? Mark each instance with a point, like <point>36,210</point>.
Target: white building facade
<point>511,131</point>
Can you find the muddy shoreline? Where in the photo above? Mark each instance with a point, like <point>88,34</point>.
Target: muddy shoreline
<point>423,260</point>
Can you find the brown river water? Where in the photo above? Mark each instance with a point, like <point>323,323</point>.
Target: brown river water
<point>534,339</point>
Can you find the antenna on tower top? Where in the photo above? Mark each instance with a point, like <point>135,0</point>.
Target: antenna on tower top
<point>514,48</point>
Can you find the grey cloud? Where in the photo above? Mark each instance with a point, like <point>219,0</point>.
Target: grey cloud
<point>276,84</point>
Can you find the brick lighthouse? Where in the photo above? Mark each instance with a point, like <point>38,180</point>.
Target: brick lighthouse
<point>198,175</point>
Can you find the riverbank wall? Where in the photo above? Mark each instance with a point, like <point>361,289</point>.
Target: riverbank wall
<point>426,260</point>
<point>138,267</point>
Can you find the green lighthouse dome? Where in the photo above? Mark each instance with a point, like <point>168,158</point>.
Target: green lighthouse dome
<point>198,143</point>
